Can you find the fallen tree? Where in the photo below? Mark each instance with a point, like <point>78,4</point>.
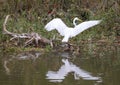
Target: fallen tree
<point>30,38</point>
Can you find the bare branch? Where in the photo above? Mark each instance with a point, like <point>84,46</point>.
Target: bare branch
<point>31,37</point>
<point>5,31</point>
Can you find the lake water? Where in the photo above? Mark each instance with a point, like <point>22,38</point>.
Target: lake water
<point>94,65</point>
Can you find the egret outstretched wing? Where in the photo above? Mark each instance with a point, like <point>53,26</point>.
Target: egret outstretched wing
<point>57,24</point>
<point>83,26</point>
<point>69,32</point>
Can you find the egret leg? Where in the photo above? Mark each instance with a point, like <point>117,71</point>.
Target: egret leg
<point>69,47</point>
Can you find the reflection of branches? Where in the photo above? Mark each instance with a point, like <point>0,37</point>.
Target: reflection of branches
<point>21,56</point>
<point>68,68</point>
<point>6,68</point>
<point>27,56</point>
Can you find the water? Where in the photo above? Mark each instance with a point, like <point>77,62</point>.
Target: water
<point>93,66</point>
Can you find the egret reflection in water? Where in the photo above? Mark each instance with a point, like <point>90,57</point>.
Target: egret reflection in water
<point>68,67</point>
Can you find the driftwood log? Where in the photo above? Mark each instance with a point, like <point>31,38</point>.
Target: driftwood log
<point>30,38</point>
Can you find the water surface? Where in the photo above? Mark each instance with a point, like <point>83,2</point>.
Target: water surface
<point>93,66</point>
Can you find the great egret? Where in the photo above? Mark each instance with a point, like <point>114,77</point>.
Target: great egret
<point>69,32</point>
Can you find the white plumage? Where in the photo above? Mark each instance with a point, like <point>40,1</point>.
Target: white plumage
<point>69,32</point>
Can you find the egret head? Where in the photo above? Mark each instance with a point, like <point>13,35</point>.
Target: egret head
<point>76,18</point>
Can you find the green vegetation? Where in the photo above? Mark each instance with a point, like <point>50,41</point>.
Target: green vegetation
<point>33,15</point>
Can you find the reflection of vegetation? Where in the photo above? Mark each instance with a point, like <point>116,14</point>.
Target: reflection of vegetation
<point>33,15</point>
<point>102,57</point>
<point>31,67</point>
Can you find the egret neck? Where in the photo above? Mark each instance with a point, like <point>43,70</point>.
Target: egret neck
<point>74,20</point>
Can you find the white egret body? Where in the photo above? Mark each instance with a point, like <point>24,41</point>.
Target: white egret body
<point>69,32</point>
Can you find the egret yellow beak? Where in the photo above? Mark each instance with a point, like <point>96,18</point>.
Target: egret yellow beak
<point>80,20</point>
